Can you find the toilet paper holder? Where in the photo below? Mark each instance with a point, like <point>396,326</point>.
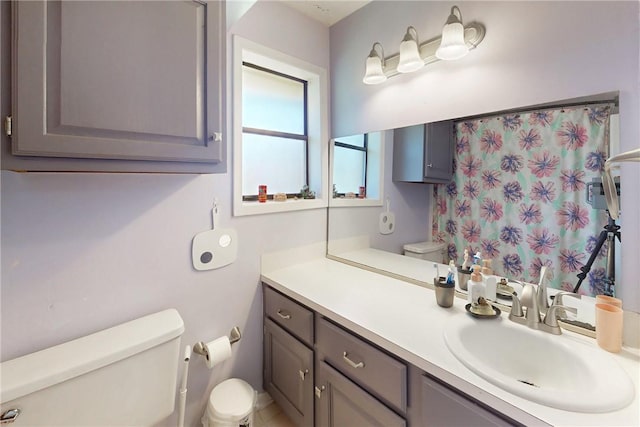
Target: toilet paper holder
<point>234,337</point>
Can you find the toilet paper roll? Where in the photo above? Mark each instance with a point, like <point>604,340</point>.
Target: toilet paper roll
<point>218,351</point>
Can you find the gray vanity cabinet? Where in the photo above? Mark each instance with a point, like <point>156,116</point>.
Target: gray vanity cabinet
<point>443,406</point>
<point>424,153</point>
<point>117,86</point>
<point>355,382</point>
<point>341,402</point>
<point>288,366</point>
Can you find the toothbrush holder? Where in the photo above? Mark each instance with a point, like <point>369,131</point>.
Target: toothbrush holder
<point>444,292</point>
<point>463,277</point>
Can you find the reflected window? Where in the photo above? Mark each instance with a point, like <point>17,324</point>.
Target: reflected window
<point>350,164</point>
<point>274,132</point>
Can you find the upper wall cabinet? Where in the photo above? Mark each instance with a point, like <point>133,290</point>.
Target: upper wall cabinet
<point>424,153</point>
<point>118,86</point>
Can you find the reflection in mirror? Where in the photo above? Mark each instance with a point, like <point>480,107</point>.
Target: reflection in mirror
<point>355,224</point>
<point>355,236</point>
<point>357,168</point>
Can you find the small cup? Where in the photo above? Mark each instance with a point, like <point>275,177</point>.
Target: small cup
<point>604,299</point>
<point>444,292</point>
<point>463,278</point>
<point>609,327</point>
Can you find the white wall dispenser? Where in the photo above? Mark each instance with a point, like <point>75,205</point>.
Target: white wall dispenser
<point>214,248</point>
<point>387,221</point>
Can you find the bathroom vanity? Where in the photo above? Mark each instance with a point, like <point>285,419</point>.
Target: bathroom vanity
<point>342,343</point>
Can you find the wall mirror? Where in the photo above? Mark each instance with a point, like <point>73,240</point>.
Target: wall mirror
<point>358,233</point>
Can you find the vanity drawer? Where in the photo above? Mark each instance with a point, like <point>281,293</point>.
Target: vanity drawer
<point>373,369</point>
<point>293,317</point>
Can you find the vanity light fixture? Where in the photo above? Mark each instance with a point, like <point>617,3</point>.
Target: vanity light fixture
<point>374,72</point>
<point>454,43</point>
<point>410,59</point>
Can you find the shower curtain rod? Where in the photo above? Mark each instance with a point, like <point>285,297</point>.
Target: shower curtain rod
<point>525,110</point>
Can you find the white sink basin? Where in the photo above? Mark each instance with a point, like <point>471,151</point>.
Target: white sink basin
<point>556,371</point>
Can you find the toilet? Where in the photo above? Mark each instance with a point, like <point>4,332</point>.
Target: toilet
<point>430,251</point>
<point>231,404</point>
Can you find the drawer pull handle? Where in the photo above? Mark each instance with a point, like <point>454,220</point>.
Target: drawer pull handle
<point>9,416</point>
<point>285,316</point>
<point>350,362</point>
<point>303,374</point>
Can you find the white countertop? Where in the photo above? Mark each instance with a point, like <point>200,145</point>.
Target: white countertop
<point>405,320</point>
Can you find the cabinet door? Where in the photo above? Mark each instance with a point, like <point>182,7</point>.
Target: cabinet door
<point>131,80</point>
<point>438,151</point>
<point>288,373</point>
<point>342,403</point>
<point>442,406</point>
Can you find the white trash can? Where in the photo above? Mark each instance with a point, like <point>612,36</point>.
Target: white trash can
<point>231,404</point>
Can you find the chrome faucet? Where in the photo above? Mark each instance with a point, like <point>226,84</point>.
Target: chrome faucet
<point>526,310</point>
<point>541,294</point>
<point>529,300</point>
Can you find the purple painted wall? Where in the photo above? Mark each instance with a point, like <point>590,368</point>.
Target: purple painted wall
<point>83,252</point>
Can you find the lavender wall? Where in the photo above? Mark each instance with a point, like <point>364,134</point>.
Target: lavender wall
<point>533,52</point>
<point>410,203</point>
<point>82,252</point>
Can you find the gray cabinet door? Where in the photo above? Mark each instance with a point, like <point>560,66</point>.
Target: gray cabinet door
<point>341,403</point>
<point>131,80</point>
<point>442,406</point>
<point>423,153</point>
<point>438,144</point>
<point>288,373</point>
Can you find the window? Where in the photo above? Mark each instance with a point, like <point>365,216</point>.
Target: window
<point>357,161</point>
<point>350,164</point>
<point>280,130</point>
<point>274,130</point>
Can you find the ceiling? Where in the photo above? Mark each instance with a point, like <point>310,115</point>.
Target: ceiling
<point>326,12</point>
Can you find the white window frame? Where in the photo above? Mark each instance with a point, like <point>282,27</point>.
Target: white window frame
<point>375,175</point>
<point>317,110</point>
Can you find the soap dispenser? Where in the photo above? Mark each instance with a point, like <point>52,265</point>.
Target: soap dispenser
<point>475,286</point>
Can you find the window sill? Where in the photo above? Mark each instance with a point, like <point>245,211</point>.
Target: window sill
<point>257,208</point>
<point>344,203</point>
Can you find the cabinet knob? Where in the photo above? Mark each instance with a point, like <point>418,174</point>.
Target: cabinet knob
<point>303,374</point>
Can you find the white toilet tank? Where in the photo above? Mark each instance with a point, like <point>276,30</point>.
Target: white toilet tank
<point>125,375</point>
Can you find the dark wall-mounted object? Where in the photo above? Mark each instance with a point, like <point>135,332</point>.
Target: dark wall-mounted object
<point>423,153</point>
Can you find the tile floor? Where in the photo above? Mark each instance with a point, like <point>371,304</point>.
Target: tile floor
<point>271,416</point>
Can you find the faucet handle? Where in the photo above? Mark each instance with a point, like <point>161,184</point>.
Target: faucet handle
<point>541,294</point>
<point>551,318</point>
<point>516,306</point>
<point>557,301</point>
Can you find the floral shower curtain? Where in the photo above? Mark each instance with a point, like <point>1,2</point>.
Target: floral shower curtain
<point>518,194</point>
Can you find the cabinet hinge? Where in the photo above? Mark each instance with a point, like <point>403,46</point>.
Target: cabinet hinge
<point>7,125</point>
<point>319,391</point>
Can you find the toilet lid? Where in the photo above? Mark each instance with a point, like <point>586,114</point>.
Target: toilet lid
<point>232,398</point>
<point>423,247</point>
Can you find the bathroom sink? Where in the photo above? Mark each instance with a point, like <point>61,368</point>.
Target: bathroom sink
<point>556,371</point>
